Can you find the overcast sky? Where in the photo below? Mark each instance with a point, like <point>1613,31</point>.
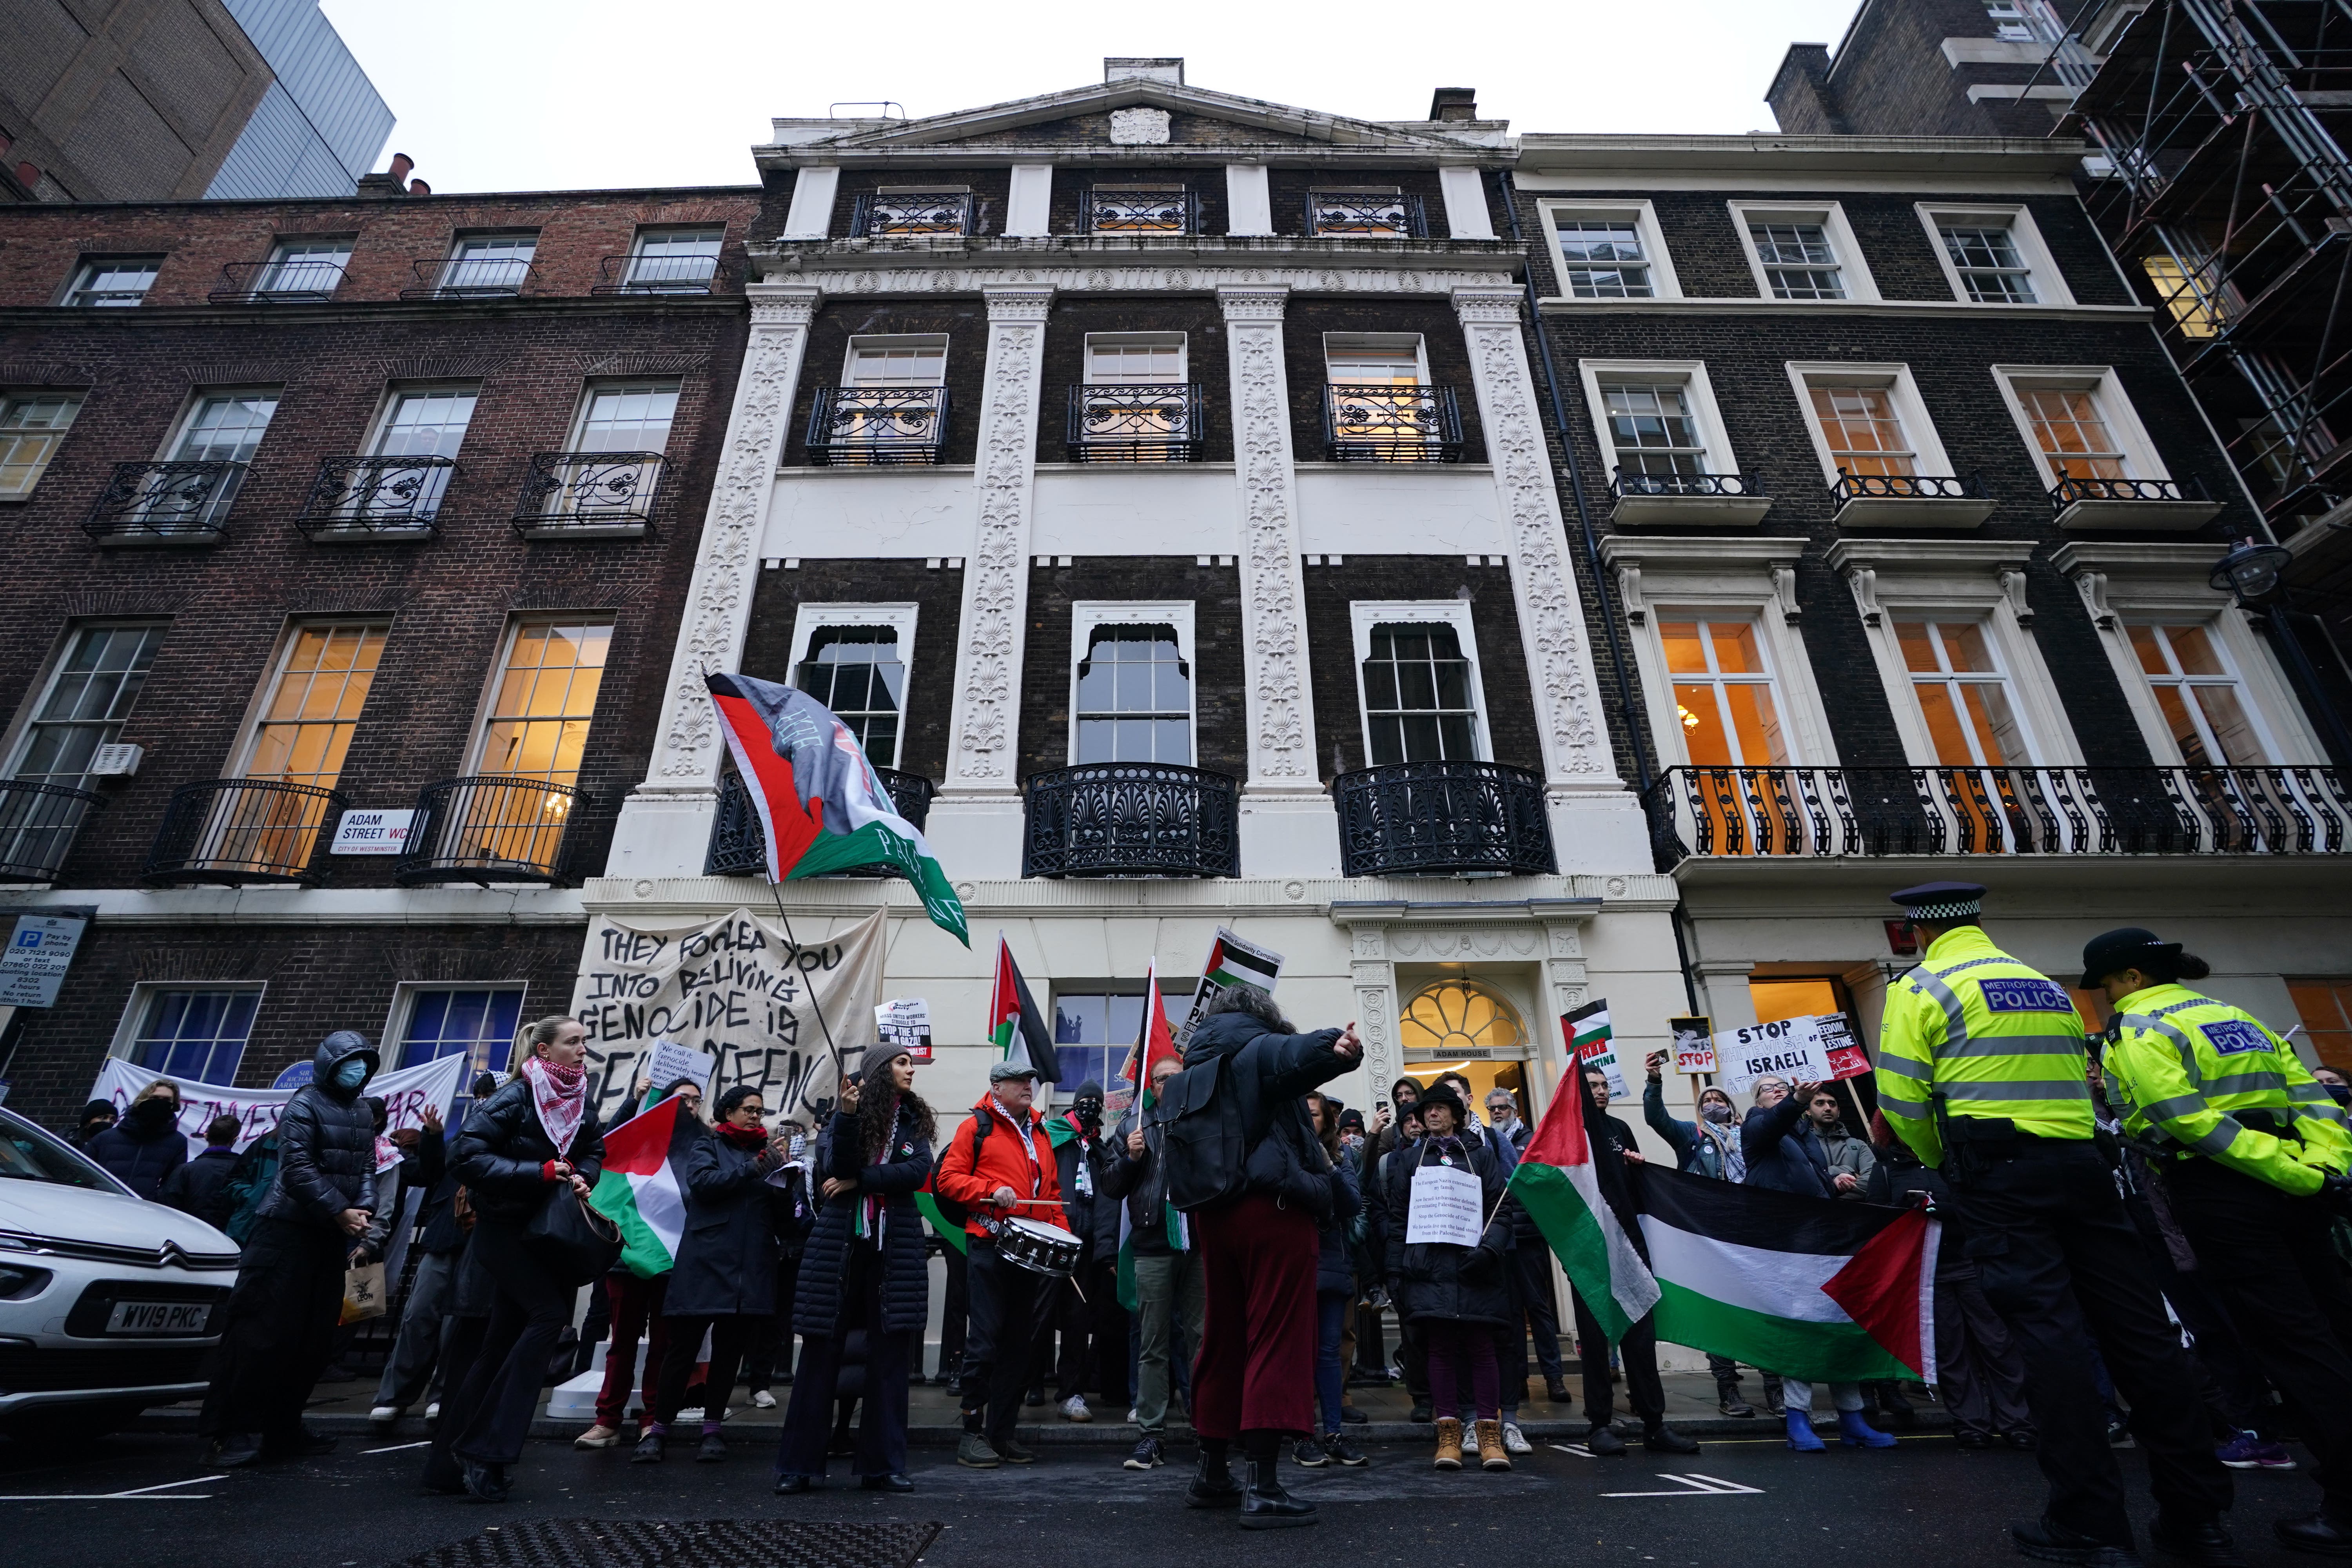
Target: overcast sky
<point>567,94</point>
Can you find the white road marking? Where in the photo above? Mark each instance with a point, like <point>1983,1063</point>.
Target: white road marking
<point>1696,1486</point>
<point>398,1448</point>
<point>1579,1449</point>
<point>138,1494</point>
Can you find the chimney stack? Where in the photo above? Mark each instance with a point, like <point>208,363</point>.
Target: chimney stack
<point>1453,103</point>
<point>419,188</point>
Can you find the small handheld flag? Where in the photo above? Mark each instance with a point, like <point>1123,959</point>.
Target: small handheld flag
<point>1014,1025</point>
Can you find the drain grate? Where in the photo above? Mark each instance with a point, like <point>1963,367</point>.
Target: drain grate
<point>681,1544</point>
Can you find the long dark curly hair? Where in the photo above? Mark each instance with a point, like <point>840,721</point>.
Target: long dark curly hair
<point>879,1105</point>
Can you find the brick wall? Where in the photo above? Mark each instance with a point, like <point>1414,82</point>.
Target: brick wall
<point>938,591</point>
<point>1067,213</point>
<point>1306,319</point>
<point>1197,316</point>
<point>990,185</point>
<point>1287,188</point>
<point>963,318</point>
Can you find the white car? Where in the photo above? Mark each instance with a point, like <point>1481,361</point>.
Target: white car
<point>109,1304</point>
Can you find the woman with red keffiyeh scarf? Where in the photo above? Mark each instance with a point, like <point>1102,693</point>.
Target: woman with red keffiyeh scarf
<point>537,1130</point>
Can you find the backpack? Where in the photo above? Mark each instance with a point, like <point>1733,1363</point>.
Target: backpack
<point>1204,1147</point>
<point>247,1186</point>
<point>953,1211</point>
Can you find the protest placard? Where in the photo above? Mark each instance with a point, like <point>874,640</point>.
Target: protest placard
<point>1446,1205</point>
<point>1694,1044</point>
<point>904,1024</point>
<point>1231,961</point>
<point>1591,1038</point>
<point>1790,1049</point>
<point>669,1061</point>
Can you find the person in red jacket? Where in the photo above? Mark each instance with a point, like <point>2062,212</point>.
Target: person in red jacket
<point>999,1166</point>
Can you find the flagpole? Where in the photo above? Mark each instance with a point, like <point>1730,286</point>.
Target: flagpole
<point>840,1069</point>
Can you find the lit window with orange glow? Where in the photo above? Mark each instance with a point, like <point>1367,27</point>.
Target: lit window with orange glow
<point>538,726</point>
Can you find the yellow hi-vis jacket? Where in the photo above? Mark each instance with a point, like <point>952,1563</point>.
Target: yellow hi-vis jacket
<point>2183,1065</point>
<point>1986,1034</point>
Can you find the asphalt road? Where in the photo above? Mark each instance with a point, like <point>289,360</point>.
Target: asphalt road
<point>143,1498</point>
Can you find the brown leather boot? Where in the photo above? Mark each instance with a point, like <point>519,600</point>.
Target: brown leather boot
<point>1492,1455</point>
<point>1449,1443</point>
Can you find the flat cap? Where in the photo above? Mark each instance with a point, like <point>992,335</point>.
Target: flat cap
<point>1941,901</point>
<point>1006,1069</point>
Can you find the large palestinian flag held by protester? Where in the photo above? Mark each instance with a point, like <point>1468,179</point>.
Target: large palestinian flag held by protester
<point>820,801</point>
<point>1579,1208</point>
<point>643,1186</point>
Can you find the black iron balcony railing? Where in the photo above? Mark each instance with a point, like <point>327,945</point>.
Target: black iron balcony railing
<point>278,283</point>
<point>1381,423</point>
<point>655,275</point>
<point>1443,819</point>
<point>497,828</point>
<point>471,278</point>
<point>586,493</point>
<point>1724,485</point>
<point>1721,812</point>
<point>179,502</point>
<point>1905,487</point>
<point>1174,210</point>
<point>739,848</point>
<point>878,214</point>
<point>2066,493</point>
<point>1365,214</point>
<point>235,831</point>
<point>878,426</point>
<point>37,824</point>
<point>1133,819</point>
<point>375,495</point>
<point>1132,424</point>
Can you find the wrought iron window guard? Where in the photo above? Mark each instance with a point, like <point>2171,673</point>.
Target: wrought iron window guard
<point>376,495</point>
<point>2068,491</point>
<point>1731,812</point>
<point>1384,423</point>
<point>1136,424</point>
<point>1132,819</point>
<point>1443,819</point>
<point>1173,210</point>
<point>1906,487</point>
<point>883,215</point>
<point>235,831</point>
<point>637,274</point>
<point>494,827</point>
<point>878,426</point>
<point>739,849</point>
<point>278,283</point>
<point>186,502</point>
<point>1625,484</point>
<point>472,278</point>
<point>585,493</point>
<point>37,825</point>
<point>1365,214</point>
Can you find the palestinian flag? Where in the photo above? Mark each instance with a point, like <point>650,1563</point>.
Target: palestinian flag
<point>949,1232</point>
<point>1571,1200</point>
<point>1594,1043</point>
<point>643,1187</point>
<point>1233,961</point>
<point>1014,1026</point>
<point>1154,1043</point>
<point>1811,1289</point>
<point>822,807</point>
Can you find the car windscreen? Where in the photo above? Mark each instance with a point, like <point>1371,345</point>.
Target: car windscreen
<point>27,1154</point>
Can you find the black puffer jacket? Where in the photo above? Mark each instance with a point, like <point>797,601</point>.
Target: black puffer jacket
<point>143,1149</point>
<point>503,1146</point>
<point>1440,1282</point>
<point>1270,1073</point>
<point>727,1262</point>
<point>326,1141</point>
<point>1092,1214</point>
<point>817,1306</point>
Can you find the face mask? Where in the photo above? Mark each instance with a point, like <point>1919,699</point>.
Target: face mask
<point>1089,1111</point>
<point>1715,1110</point>
<point>351,1072</point>
<point>153,1112</point>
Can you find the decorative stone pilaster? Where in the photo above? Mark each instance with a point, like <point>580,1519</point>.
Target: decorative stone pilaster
<point>1273,596</point>
<point>682,776</point>
<point>1373,973</point>
<point>1551,615</point>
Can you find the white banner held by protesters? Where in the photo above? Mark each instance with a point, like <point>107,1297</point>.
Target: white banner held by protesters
<point>405,1094</point>
<point>735,989</point>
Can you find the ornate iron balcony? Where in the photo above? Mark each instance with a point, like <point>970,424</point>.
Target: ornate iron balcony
<point>1129,424</point>
<point>1726,485</point>
<point>1443,819</point>
<point>655,275</point>
<point>588,495</point>
<point>471,278</point>
<point>2066,493</point>
<point>1365,214</point>
<point>174,503</point>
<point>1133,819</point>
<point>1905,487</point>
<point>37,825</point>
<point>878,426</point>
<point>878,214</point>
<point>278,283</point>
<point>739,849</point>
<point>1726,812</point>
<point>1174,210</point>
<point>235,831</point>
<point>497,828</point>
<point>398,495</point>
<point>1381,423</point>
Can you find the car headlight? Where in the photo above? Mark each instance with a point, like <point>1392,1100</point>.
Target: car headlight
<point>18,1282</point>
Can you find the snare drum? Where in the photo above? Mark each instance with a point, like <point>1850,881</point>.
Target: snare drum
<point>1039,1248</point>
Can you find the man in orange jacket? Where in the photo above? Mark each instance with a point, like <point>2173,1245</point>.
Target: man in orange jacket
<point>1000,1166</point>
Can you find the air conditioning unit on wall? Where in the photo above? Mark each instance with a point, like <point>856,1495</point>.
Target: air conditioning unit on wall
<point>118,761</point>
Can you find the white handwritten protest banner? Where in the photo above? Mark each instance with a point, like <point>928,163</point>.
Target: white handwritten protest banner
<point>405,1095</point>
<point>1790,1049</point>
<point>736,989</point>
<point>1445,1207</point>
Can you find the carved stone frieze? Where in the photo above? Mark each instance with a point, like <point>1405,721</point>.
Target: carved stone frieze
<point>1274,595</point>
<point>1138,126</point>
<point>857,276</point>
<point>1463,943</point>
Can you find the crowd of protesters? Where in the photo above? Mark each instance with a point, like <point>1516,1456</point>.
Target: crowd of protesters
<point>805,1263</point>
